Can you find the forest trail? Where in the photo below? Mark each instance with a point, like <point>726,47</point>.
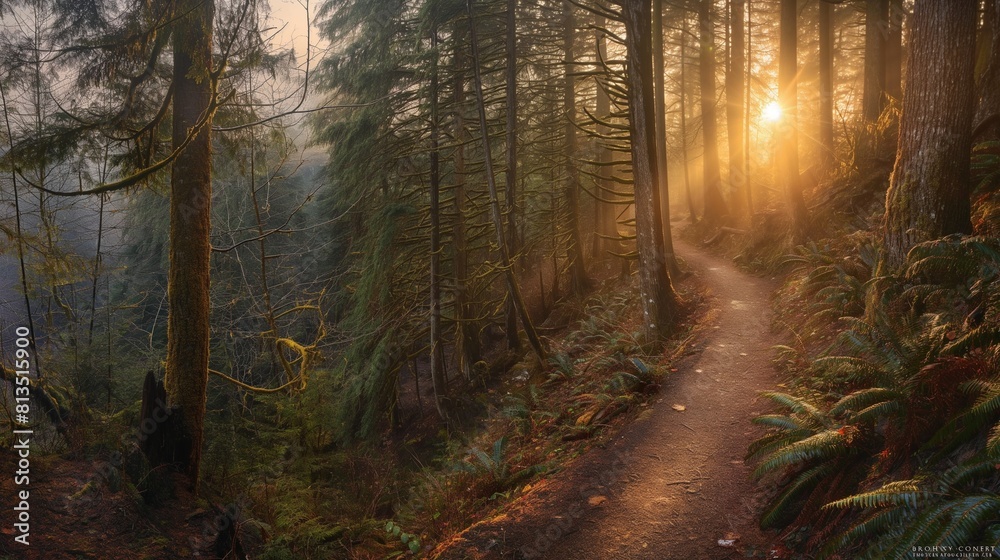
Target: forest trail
<point>674,483</point>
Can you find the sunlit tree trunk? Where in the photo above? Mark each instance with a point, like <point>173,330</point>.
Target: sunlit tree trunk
<point>876,27</point>
<point>827,149</point>
<point>578,281</point>
<point>788,137</point>
<point>604,214</point>
<point>894,50</point>
<point>715,206</point>
<point>190,224</point>
<point>660,108</point>
<point>734,108</point>
<point>692,214</point>
<point>656,292</point>
<point>929,193</point>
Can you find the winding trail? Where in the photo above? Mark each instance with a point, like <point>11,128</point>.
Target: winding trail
<point>672,484</point>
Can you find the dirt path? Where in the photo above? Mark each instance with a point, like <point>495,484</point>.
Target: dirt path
<point>674,483</point>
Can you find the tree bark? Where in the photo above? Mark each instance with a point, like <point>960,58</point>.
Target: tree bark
<point>876,27</point>
<point>438,380</point>
<point>928,196</point>
<point>660,108</point>
<point>894,50</point>
<point>606,226</point>
<point>513,290</point>
<point>510,177</point>
<point>578,280</point>
<point>692,214</point>
<point>715,211</point>
<point>734,108</point>
<point>190,224</point>
<point>467,348</point>
<point>788,137</point>
<point>827,148</point>
<point>987,119</point>
<point>658,298</point>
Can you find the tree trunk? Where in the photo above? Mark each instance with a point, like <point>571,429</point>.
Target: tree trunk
<point>606,226</point>
<point>660,108</point>
<point>510,177</point>
<point>715,206</point>
<point>988,108</point>
<point>928,196</point>
<point>749,104</point>
<point>190,224</point>
<point>658,298</point>
<point>734,108</point>
<point>438,380</point>
<point>692,214</point>
<point>788,137</point>
<point>876,28</point>
<point>578,281</point>
<point>467,349</point>
<point>894,50</point>
<point>513,290</point>
<point>827,148</point>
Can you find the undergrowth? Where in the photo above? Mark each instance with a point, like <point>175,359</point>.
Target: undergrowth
<point>316,498</point>
<point>889,434</point>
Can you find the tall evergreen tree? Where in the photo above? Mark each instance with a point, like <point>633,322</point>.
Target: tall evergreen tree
<point>929,193</point>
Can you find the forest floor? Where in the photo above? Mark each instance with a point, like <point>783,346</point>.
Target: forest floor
<point>673,484</point>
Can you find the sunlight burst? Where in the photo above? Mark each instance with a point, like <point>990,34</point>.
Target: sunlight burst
<point>772,112</point>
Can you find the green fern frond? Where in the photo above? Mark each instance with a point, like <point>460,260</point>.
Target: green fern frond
<point>822,446</point>
<point>967,516</point>
<point>993,443</point>
<point>902,493</point>
<point>884,523</point>
<point>801,406</point>
<point>770,443</point>
<point>779,421</point>
<point>781,509</point>
<point>967,474</point>
<point>879,412</point>
<point>863,399</point>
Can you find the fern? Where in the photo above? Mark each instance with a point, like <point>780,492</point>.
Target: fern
<point>822,446</point>
<point>903,493</point>
<point>783,507</point>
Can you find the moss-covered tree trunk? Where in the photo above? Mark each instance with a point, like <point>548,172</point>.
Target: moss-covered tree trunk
<point>190,223</point>
<point>928,196</point>
<point>715,206</point>
<point>658,298</point>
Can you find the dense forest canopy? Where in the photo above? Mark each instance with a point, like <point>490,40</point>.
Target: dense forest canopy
<point>330,253</point>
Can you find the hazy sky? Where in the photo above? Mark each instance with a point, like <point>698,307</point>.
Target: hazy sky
<point>292,15</point>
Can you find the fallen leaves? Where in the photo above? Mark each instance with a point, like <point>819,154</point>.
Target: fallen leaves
<point>679,407</point>
<point>595,501</point>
